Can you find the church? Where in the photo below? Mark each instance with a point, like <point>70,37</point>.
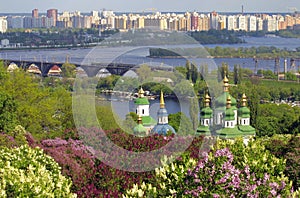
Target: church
<point>146,124</point>
<point>226,120</point>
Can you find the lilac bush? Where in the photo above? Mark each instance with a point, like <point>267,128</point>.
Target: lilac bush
<point>229,170</point>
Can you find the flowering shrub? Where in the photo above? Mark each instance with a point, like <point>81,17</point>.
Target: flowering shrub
<point>93,178</point>
<point>76,163</point>
<point>27,172</point>
<point>287,147</point>
<point>229,170</point>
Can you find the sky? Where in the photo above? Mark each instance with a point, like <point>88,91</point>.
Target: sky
<point>25,6</point>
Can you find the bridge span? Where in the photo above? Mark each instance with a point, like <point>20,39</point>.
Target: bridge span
<point>90,70</point>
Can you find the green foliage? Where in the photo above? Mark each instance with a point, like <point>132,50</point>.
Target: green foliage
<point>290,76</point>
<point>280,119</point>
<point>216,36</point>
<point>267,74</point>
<point>8,115</point>
<point>27,172</point>
<point>184,89</point>
<point>144,72</point>
<point>130,122</point>
<point>237,74</point>
<point>18,133</point>
<point>182,70</point>
<point>107,118</point>
<point>194,112</point>
<point>68,70</point>
<point>108,82</point>
<point>43,111</point>
<point>252,52</point>
<point>181,123</point>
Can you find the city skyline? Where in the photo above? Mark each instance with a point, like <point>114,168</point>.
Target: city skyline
<point>15,6</point>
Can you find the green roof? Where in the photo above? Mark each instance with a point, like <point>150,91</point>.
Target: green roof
<point>206,112</point>
<point>139,129</point>
<point>229,114</point>
<point>203,130</point>
<point>247,130</point>
<point>244,112</point>
<point>141,101</point>
<point>148,121</point>
<point>222,100</point>
<point>229,133</point>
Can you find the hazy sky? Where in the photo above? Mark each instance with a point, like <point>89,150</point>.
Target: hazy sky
<point>142,5</point>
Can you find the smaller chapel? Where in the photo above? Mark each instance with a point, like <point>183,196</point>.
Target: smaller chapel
<point>146,124</point>
<point>227,120</point>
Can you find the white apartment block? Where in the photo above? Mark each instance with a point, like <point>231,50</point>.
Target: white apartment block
<point>241,22</point>
<point>3,24</point>
<point>252,25</point>
<point>231,22</point>
<point>270,24</point>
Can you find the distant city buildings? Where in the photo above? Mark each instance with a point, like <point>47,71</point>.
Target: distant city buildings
<point>189,21</point>
<point>3,24</point>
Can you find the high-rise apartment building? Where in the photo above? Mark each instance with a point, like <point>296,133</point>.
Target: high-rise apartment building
<point>241,23</point>
<point>231,22</point>
<point>252,23</point>
<point>214,20</point>
<point>35,13</point>
<point>188,21</point>
<point>15,22</point>
<point>259,24</point>
<point>52,13</point>
<point>194,21</point>
<point>27,22</point>
<point>222,22</point>
<point>270,24</point>
<point>203,22</point>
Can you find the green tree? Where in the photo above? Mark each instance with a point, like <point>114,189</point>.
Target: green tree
<point>182,70</point>
<point>237,74</point>
<point>188,70</point>
<point>290,76</point>
<point>181,123</point>
<point>194,73</point>
<point>144,72</point>
<point>194,112</point>
<point>8,112</point>
<point>130,122</point>
<point>68,70</point>
<point>253,103</point>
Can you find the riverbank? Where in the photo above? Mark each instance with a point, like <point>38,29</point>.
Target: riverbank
<point>46,47</point>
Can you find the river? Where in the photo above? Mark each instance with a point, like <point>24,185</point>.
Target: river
<point>139,55</point>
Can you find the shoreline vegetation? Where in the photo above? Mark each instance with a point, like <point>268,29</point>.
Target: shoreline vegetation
<point>224,52</point>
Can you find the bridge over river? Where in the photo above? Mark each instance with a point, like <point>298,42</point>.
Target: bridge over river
<point>91,70</point>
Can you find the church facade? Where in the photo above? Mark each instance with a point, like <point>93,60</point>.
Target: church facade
<point>227,120</point>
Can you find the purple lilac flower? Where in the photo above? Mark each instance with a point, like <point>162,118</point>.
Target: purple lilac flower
<point>216,196</point>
